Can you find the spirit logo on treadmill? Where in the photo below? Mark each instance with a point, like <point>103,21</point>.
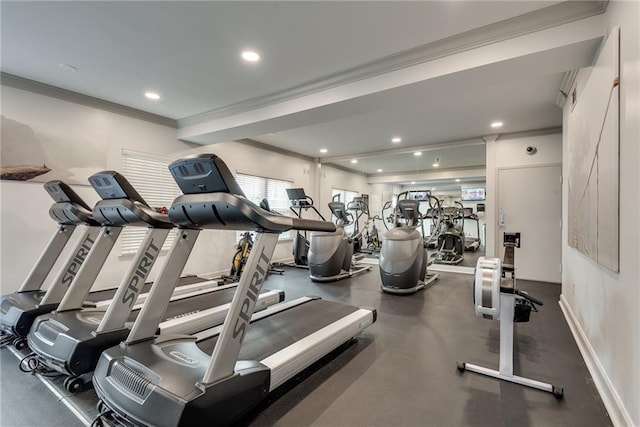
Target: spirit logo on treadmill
<point>77,261</point>
<point>183,357</point>
<point>252,296</point>
<point>142,270</point>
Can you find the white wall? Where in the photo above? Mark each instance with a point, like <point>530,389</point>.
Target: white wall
<point>509,152</point>
<point>604,304</point>
<point>24,218</point>
<point>25,226</point>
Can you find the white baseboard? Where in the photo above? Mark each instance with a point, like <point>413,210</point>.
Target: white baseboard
<point>215,274</point>
<point>612,402</point>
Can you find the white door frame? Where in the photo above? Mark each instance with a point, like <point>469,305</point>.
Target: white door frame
<point>496,203</point>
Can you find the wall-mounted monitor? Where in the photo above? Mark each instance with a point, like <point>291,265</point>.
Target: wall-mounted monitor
<point>473,194</point>
<point>419,195</point>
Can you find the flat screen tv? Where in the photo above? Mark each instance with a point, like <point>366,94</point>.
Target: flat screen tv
<point>473,194</point>
<point>419,195</point>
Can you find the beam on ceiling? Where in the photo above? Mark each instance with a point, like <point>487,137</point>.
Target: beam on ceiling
<point>523,54</point>
<point>405,150</point>
<point>39,88</point>
<point>430,175</point>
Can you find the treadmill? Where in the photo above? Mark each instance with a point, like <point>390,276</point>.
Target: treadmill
<point>19,309</point>
<point>471,243</point>
<point>220,374</point>
<point>70,339</point>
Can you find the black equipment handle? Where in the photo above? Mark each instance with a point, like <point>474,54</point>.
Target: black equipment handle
<point>312,225</point>
<point>529,297</point>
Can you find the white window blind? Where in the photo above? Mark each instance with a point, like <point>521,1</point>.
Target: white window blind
<point>257,188</point>
<point>149,175</point>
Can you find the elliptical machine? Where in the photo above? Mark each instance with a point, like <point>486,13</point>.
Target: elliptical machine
<point>403,256</point>
<point>360,207</point>
<point>331,253</point>
<point>495,300</point>
<point>450,238</point>
<point>300,202</point>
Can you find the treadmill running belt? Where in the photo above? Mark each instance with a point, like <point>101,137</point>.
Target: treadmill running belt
<point>106,294</point>
<point>194,303</point>
<point>271,334</point>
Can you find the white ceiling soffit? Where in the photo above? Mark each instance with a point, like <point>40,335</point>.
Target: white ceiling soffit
<point>456,156</point>
<point>513,49</point>
<point>190,50</point>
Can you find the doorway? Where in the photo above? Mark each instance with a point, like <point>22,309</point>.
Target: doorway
<point>530,202</point>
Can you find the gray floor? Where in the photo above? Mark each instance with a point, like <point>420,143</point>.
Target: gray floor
<point>402,370</point>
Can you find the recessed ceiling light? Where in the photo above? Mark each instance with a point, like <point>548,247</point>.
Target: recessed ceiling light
<point>418,153</point>
<point>496,124</point>
<point>152,95</point>
<point>413,182</point>
<point>250,56</point>
<point>396,140</point>
<point>436,165</point>
<point>458,180</point>
<point>68,67</point>
<point>354,161</point>
<point>323,150</point>
<point>379,170</point>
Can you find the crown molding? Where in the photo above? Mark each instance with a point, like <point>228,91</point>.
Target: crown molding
<point>404,150</point>
<point>568,80</point>
<point>552,16</point>
<point>257,144</point>
<point>17,82</point>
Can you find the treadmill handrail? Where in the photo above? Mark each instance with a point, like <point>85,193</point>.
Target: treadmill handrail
<point>234,212</point>
<point>121,212</point>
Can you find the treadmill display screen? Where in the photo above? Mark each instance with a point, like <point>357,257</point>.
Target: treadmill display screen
<point>296,194</point>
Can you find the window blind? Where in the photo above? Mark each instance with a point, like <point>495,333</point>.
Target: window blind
<point>149,175</point>
<point>257,188</point>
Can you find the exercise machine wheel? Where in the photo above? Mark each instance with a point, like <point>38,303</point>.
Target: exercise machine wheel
<point>73,384</point>
<point>20,343</point>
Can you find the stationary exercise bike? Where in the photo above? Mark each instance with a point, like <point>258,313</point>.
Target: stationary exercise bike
<point>331,253</point>
<point>403,255</point>
<point>243,249</point>
<point>497,299</point>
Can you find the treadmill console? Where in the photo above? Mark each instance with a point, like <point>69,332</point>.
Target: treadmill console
<point>297,197</point>
<point>111,185</point>
<point>204,173</point>
<point>61,192</point>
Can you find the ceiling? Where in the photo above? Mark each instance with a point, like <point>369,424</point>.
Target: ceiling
<point>303,95</point>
